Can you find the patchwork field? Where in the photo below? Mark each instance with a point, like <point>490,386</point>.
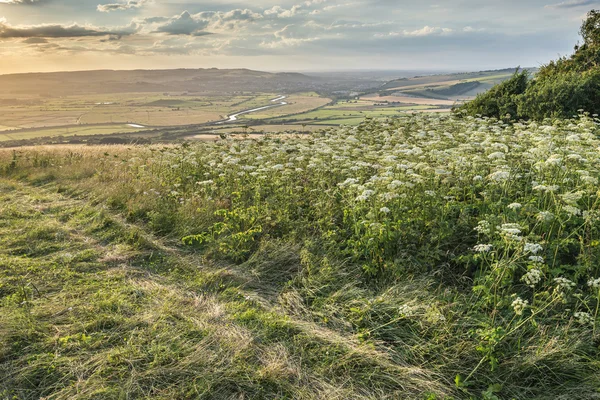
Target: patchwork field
<point>353,112</point>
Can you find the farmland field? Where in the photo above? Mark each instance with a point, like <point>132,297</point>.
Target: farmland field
<point>353,112</point>
<point>77,130</point>
<point>418,257</point>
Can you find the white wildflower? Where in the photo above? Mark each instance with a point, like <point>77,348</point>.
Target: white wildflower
<point>572,198</point>
<point>532,248</point>
<point>545,216</point>
<point>571,210</point>
<point>564,283</point>
<point>510,231</point>
<point>499,176</point>
<point>365,195</point>
<point>584,318</point>
<point>515,206</point>
<point>594,283</point>
<point>497,156</point>
<point>532,277</point>
<point>483,227</point>
<point>519,305</point>
<point>483,248</point>
<point>349,181</point>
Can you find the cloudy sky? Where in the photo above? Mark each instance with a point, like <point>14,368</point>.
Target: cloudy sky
<point>49,35</point>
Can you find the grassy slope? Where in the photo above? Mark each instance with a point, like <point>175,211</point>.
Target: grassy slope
<point>92,307</point>
<point>293,320</point>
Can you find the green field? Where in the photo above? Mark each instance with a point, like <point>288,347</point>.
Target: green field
<point>81,130</point>
<point>350,113</point>
<point>423,257</point>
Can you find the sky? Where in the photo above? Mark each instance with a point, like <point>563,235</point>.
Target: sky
<point>286,35</point>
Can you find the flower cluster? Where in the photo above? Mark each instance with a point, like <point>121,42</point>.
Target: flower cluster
<point>532,277</point>
<point>584,318</point>
<point>519,305</point>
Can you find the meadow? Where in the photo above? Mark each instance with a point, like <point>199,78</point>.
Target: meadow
<point>426,257</point>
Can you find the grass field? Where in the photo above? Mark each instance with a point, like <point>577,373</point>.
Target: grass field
<point>423,257</point>
<point>353,112</point>
<point>79,130</point>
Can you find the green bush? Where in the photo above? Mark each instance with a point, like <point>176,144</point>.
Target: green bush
<point>561,96</point>
<point>500,100</point>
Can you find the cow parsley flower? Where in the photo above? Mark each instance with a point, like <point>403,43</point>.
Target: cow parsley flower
<point>532,277</point>
<point>510,231</point>
<point>564,283</point>
<point>500,176</point>
<point>574,211</point>
<point>545,216</point>
<point>519,305</point>
<point>365,195</point>
<point>515,206</point>
<point>584,318</point>
<point>348,182</point>
<point>536,259</point>
<point>483,248</point>
<point>594,283</point>
<point>497,156</point>
<point>483,227</point>
<point>532,248</point>
<point>385,210</point>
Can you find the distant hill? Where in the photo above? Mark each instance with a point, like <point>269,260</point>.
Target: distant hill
<point>449,86</point>
<point>176,80</point>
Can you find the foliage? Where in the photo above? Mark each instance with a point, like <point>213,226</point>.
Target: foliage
<point>500,100</point>
<point>561,95</point>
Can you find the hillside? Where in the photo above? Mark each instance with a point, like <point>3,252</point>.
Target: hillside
<point>449,86</point>
<point>177,80</point>
<point>424,257</point>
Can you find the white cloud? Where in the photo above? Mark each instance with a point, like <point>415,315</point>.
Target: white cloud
<point>573,4</point>
<point>121,6</point>
<point>425,31</point>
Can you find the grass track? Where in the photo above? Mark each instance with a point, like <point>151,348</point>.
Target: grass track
<point>94,307</point>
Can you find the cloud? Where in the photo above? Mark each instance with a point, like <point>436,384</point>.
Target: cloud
<point>8,31</point>
<point>203,23</point>
<point>20,1</point>
<point>425,31</point>
<point>184,24</point>
<point>279,12</point>
<point>573,4</point>
<point>121,6</point>
<point>35,40</point>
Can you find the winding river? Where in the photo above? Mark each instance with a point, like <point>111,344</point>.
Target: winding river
<point>279,100</point>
